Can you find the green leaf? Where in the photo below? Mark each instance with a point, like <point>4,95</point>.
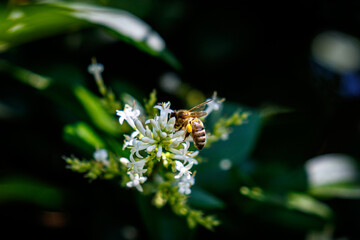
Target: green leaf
<point>241,140</point>
<point>333,176</point>
<point>24,189</point>
<point>83,136</point>
<point>26,23</point>
<point>236,149</point>
<point>96,111</point>
<point>202,199</point>
<point>59,91</point>
<point>292,201</point>
<point>338,190</point>
<point>34,21</point>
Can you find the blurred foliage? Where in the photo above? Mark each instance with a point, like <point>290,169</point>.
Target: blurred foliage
<point>255,182</point>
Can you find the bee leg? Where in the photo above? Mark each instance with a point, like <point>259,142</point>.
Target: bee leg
<point>188,130</point>
<point>181,127</point>
<point>178,130</point>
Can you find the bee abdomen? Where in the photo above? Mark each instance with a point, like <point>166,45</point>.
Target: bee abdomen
<point>198,134</point>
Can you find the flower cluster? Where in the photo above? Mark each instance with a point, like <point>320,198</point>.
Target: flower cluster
<point>157,142</point>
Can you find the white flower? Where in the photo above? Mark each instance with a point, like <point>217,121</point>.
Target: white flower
<point>129,139</point>
<point>140,127</point>
<point>101,155</point>
<point>164,108</point>
<point>129,114</point>
<point>184,154</point>
<point>95,68</point>
<point>183,170</point>
<point>225,164</point>
<point>137,166</point>
<point>136,180</point>
<point>185,184</point>
<point>124,161</point>
<point>215,104</point>
<point>137,146</point>
<point>157,139</point>
<point>159,152</point>
<point>164,112</point>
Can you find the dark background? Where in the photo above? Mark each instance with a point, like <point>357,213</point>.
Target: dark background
<point>250,53</point>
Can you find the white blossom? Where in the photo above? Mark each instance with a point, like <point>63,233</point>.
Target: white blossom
<point>136,181</point>
<point>124,161</point>
<point>137,167</point>
<point>129,139</point>
<point>184,184</point>
<point>183,170</point>
<point>225,164</point>
<point>137,146</point>
<point>184,154</point>
<point>214,105</point>
<point>157,139</point>
<point>95,68</point>
<point>101,155</point>
<point>129,114</point>
<point>164,109</point>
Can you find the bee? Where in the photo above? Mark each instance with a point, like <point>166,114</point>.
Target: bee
<point>189,120</point>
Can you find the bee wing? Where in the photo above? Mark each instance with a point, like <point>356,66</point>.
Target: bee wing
<point>199,107</point>
<point>198,114</point>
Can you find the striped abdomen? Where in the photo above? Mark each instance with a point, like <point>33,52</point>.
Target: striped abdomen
<point>198,133</point>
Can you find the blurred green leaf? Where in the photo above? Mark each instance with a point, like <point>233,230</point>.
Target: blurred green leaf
<point>83,136</point>
<point>34,21</point>
<point>26,23</point>
<point>72,96</point>
<point>241,140</point>
<point>202,199</point>
<point>333,175</point>
<point>59,91</point>
<point>96,111</point>
<point>237,148</point>
<point>24,189</point>
<point>291,201</point>
<point>338,190</point>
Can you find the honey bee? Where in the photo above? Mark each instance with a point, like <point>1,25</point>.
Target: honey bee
<point>189,120</point>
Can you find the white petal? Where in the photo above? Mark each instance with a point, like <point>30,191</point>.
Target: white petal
<point>179,157</point>
<point>189,166</point>
<point>124,161</point>
<point>147,140</point>
<point>151,148</point>
<point>179,165</point>
<point>176,151</point>
<point>158,154</point>
<point>140,127</point>
<point>158,107</point>
<point>130,184</point>
<point>138,154</point>
<point>172,121</point>
<point>121,120</point>
<point>142,179</point>
<point>163,134</point>
<point>136,113</point>
<point>139,188</point>
<point>148,132</point>
<point>100,155</point>
<point>178,175</point>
